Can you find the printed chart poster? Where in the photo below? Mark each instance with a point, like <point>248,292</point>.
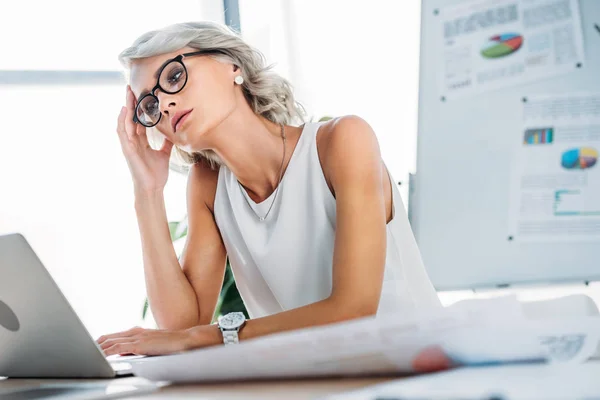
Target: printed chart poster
<point>493,44</point>
<point>555,188</point>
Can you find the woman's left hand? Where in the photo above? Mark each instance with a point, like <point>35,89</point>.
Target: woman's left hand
<point>154,342</point>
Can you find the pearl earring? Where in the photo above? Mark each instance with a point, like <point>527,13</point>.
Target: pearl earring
<point>239,79</point>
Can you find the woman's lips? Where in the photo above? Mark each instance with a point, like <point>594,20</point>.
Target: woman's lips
<point>182,120</point>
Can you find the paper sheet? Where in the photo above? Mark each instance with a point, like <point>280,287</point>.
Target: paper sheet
<point>513,382</point>
<point>491,44</point>
<point>469,333</point>
<point>555,187</point>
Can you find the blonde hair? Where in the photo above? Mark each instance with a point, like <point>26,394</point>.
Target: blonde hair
<point>267,93</point>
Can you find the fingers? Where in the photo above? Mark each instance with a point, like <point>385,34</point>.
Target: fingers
<point>131,134</point>
<point>121,127</point>
<point>128,333</point>
<point>123,347</point>
<point>130,127</point>
<point>143,137</point>
<point>111,342</point>
<point>140,130</point>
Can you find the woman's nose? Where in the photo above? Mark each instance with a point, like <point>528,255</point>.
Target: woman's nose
<point>166,102</point>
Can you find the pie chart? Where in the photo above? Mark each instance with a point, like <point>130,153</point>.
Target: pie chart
<point>502,45</point>
<point>581,158</point>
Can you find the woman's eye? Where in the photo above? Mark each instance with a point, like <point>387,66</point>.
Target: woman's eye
<point>175,77</point>
<point>151,108</point>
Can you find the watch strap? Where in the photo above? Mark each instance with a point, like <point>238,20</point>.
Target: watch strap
<point>230,337</point>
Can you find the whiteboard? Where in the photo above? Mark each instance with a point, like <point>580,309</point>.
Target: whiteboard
<point>460,197</point>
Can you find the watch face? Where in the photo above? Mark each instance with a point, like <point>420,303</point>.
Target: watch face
<point>232,320</point>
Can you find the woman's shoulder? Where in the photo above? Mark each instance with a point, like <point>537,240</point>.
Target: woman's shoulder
<point>347,136</point>
<point>345,143</point>
<point>344,133</point>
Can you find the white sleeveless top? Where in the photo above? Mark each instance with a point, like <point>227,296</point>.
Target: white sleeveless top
<point>286,261</point>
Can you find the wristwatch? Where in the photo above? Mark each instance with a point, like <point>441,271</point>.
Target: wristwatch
<point>230,324</point>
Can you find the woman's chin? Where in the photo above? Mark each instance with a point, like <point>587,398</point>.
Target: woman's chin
<point>190,141</point>
<point>183,141</point>
<point>187,148</point>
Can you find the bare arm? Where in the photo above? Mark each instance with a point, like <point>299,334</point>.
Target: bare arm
<point>204,255</point>
<point>353,166</point>
<point>182,293</point>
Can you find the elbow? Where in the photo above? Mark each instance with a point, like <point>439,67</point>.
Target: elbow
<point>365,310</point>
<point>358,308</point>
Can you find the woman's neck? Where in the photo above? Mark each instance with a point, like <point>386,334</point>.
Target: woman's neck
<point>252,148</point>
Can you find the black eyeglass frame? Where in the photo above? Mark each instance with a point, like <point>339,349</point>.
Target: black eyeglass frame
<point>178,59</point>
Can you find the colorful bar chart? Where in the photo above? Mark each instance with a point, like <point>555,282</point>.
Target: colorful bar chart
<point>538,136</point>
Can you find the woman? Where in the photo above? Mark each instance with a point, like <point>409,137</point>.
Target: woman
<point>314,229</point>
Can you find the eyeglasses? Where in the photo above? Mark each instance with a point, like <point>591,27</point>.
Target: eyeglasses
<point>172,78</point>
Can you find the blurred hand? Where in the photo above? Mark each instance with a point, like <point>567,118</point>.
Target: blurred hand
<point>431,359</point>
<point>154,342</point>
<point>141,341</point>
<point>149,168</point>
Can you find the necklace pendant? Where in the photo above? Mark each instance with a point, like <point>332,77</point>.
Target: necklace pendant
<point>261,218</point>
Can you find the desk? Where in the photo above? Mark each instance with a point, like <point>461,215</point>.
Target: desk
<point>288,389</point>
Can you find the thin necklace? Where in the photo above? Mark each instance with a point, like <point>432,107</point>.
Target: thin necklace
<point>262,218</point>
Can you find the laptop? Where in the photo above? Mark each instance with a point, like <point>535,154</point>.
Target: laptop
<point>41,336</point>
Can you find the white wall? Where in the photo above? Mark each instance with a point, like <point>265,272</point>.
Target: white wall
<point>64,181</point>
